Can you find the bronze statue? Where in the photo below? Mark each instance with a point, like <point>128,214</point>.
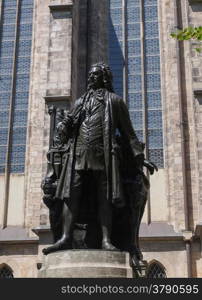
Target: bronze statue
<point>101,190</point>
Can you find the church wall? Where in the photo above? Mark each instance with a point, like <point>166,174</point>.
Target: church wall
<point>21,258</point>
<point>195,15</point>
<point>51,73</point>
<point>171,254</point>
<point>159,205</point>
<point>16,215</point>
<point>2,183</point>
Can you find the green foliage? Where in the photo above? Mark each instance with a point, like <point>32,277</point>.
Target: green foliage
<point>189,33</point>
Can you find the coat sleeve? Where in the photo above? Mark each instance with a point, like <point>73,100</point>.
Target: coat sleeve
<point>126,129</point>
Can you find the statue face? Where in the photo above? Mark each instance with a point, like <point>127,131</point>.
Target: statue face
<point>96,77</point>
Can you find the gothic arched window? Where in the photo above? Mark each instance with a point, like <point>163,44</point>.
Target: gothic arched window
<point>134,58</point>
<point>156,270</point>
<point>15,57</point>
<point>6,271</point>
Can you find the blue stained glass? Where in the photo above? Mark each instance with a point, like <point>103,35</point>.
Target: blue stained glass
<point>22,83</point>
<point>118,30</point>
<point>155,137</point>
<point>116,16</point>
<point>151,29</point>
<point>133,3</point>
<point>133,14</point>
<point>22,106</point>
<point>2,168</point>
<point>17,168</point>
<point>118,80</point>
<point>25,31</point>
<point>153,64</point>
<point>27,3</point>
<point>3,136</point>
<point>6,66</point>
<point>134,65</point>
<point>21,101</point>
<point>134,31</point>
<point>117,55</point>
<point>8,32</point>
<point>117,74</point>
<point>150,2</point>
<point>23,64</point>
<point>153,81</point>
<point>20,118</point>
<point>115,33</point>
<point>7,49</point>
<point>9,16</point>
<point>2,155</point>
<point>154,99</point>
<point>4,101</point>
<point>152,46</point>
<point>9,4</point>
<point>134,48</point>
<point>136,119</point>
<point>156,156</point>
<point>26,15</point>
<point>24,47</point>
<point>19,135</point>
<point>4,116</point>
<point>119,91</point>
<point>118,88</point>
<point>115,52</point>
<point>154,119</point>
<point>5,83</point>
<point>116,67</point>
<point>135,101</point>
<point>21,97</point>
<point>117,58</point>
<point>115,3</point>
<point>139,134</point>
<point>18,154</point>
<point>134,82</point>
<point>150,13</point>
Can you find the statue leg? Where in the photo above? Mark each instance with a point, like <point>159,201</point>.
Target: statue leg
<point>104,211</point>
<point>70,212</point>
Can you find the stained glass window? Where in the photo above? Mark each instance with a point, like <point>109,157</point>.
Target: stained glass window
<point>14,94</point>
<point>6,272</point>
<point>141,59</point>
<point>155,270</point>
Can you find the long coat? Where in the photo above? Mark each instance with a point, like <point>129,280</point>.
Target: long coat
<point>116,124</point>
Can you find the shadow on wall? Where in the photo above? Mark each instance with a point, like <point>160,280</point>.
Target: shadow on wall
<point>115,57</point>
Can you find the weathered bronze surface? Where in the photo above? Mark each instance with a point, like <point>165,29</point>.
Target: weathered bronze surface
<point>95,186</point>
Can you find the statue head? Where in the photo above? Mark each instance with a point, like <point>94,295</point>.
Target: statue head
<point>100,76</point>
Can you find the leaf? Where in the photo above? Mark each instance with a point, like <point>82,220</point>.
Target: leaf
<point>198,50</point>
<point>173,35</point>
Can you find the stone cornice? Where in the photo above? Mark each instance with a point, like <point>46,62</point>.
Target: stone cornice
<point>198,92</point>
<point>195,1</point>
<point>60,6</point>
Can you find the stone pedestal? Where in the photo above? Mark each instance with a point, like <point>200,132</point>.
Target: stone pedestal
<point>86,264</point>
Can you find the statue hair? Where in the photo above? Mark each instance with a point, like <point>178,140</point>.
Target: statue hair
<point>107,76</point>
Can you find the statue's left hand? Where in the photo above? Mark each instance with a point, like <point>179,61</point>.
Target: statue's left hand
<point>150,166</point>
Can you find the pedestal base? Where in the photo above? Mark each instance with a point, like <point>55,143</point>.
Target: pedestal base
<point>86,264</point>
